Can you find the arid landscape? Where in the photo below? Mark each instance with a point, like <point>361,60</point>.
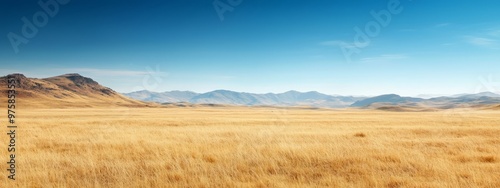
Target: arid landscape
<point>114,141</point>
<point>256,147</point>
<point>236,93</point>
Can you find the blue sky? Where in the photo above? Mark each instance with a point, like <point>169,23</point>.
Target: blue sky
<point>427,47</point>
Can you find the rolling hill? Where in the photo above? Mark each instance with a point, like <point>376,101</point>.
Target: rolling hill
<point>392,101</point>
<point>69,90</point>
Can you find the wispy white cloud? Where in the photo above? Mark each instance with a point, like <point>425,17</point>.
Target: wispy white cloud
<point>494,33</point>
<point>480,41</point>
<point>8,71</point>
<point>338,43</point>
<point>109,72</point>
<point>407,30</point>
<point>28,73</point>
<point>448,44</point>
<point>90,72</point>
<point>486,39</point>
<point>442,25</point>
<point>384,58</point>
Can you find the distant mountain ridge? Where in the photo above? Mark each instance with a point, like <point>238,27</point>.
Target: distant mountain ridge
<point>171,96</point>
<point>290,98</point>
<point>316,99</point>
<point>456,101</point>
<point>389,99</point>
<point>74,90</point>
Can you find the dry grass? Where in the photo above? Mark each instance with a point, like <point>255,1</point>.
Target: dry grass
<point>254,147</point>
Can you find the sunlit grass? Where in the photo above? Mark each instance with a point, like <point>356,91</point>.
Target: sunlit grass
<point>254,147</point>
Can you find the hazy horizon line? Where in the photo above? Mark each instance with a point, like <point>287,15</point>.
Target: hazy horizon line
<point>421,95</point>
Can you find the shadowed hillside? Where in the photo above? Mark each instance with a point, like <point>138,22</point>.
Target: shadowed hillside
<point>69,90</point>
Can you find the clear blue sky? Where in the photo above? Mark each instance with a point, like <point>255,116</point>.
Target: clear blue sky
<point>428,47</point>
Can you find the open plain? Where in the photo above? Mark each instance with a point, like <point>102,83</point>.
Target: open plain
<point>255,147</point>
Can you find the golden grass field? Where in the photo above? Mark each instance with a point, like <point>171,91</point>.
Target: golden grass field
<point>254,147</point>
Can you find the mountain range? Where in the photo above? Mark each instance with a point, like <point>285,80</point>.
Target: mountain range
<point>392,101</point>
<point>74,90</point>
<point>316,99</point>
<point>290,98</point>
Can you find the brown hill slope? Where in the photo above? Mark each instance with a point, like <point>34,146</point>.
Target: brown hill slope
<point>494,107</point>
<point>65,91</point>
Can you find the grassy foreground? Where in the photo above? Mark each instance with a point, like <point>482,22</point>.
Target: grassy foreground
<point>254,147</point>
